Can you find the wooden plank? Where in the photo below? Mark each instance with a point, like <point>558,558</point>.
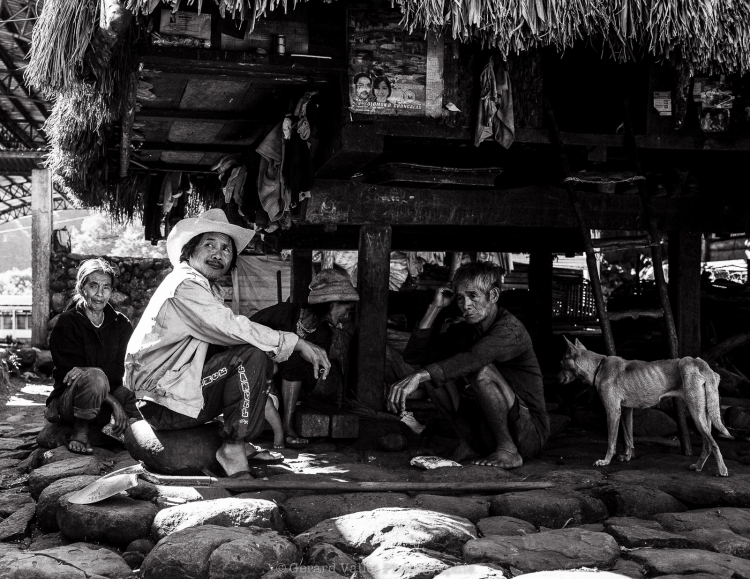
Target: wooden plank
<point>540,288</point>
<point>302,274</point>
<point>438,238</point>
<point>372,271</point>
<point>685,282</point>
<point>41,239</point>
<point>172,114</point>
<point>350,202</point>
<point>350,150</point>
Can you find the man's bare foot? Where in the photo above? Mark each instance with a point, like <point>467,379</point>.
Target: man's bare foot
<point>79,440</point>
<point>464,451</point>
<point>231,457</point>
<point>294,440</point>
<point>501,459</point>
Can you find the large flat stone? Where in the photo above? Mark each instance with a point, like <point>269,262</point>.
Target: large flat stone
<point>75,561</point>
<point>11,501</point>
<point>505,526</point>
<point>693,489</point>
<point>558,549</point>
<point>471,572</point>
<point>362,533</point>
<point>690,562</point>
<point>62,453</point>
<point>405,563</point>
<point>329,557</point>
<point>177,452</point>
<point>720,541</point>
<point>468,473</point>
<point>302,513</point>
<point>625,500</point>
<point>238,552</point>
<point>227,512</point>
<point>45,475</point>
<point>737,520</point>
<point>634,537</point>
<point>115,521</point>
<point>472,508</point>
<point>46,507</point>
<point>632,522</point>
<point>549,508</point>
<point>14,527</point>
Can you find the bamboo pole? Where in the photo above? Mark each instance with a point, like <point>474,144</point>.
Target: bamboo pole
<point>249,485</point>
<point>653,233</point>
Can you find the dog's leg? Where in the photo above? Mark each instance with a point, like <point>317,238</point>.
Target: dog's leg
<point>694,392</point>
<point>627,434</point>
<point>613,423</point>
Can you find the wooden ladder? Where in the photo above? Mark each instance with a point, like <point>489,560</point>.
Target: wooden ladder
<point>654,242</point>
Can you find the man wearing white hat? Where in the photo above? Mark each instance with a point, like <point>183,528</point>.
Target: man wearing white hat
<point>169,363</point>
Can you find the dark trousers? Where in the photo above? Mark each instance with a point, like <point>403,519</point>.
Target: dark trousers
<point>85,400</point>
<point>233,385</point>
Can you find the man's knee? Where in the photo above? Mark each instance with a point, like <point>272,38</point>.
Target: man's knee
<point>485,376</point>
<point>95,381</point>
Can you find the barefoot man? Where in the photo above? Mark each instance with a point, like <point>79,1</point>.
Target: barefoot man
<point>191,359</point>
<point>481,374</point>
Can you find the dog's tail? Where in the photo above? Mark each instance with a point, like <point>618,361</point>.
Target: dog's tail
<point>713,406</point>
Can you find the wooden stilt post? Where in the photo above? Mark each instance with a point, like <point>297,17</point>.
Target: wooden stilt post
<point>301,274</point>
<point>372,284</point>
<point>685,280</point>
<point>540,288</point>
<point>661,284</point>
<point>41,240</point>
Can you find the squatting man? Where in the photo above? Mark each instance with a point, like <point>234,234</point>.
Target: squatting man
<point>481,374</point>
<point>191,359</point>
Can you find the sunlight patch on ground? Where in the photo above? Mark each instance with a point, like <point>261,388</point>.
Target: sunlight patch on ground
<point>37,389</point>
<point>18,401</point>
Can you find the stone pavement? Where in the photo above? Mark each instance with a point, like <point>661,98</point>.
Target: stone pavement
<point>651,517</point>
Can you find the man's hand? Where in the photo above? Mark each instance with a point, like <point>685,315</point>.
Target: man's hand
<point>316,356</point>
<point>443,297</point>
<point>72,377</point>
<point>401,390</point>
<point>119,415</point>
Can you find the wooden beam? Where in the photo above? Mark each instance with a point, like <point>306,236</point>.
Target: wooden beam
<point>179,114</point>
<point>435,129</point>
<point>128,116</point>
<point>41,240</point>
<point>350,202</point>
<point>435,238</point>
<point>372,275</point>
<point>302,273</point>
<point>413,173</point>
<point>222,64</point>
<point>350,150</point>
<point>685,281</point>
<point>195,147</point>
<point>540,288</point>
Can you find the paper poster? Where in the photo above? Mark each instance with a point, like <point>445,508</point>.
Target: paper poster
<point>663,103</point>
<point>185,24</point>
<point>387,65</point>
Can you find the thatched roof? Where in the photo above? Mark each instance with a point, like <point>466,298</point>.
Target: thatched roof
<point>711,35</point>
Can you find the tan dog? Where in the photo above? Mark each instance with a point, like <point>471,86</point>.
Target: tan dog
<point>624,385</point>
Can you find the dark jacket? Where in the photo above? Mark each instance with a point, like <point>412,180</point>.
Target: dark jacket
<point>462,350</point>
<point>76,343</point>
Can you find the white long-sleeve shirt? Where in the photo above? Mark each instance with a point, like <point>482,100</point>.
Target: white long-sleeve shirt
<point>167,351</point>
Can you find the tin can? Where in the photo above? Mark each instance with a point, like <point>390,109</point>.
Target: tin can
<point>280,44</point>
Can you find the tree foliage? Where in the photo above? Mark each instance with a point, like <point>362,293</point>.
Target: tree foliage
<point>99,236</point>
<point>15,282</point>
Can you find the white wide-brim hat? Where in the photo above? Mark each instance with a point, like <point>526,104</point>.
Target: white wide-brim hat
<point>211,221</point>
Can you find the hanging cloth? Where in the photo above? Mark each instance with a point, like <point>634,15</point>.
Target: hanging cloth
<point>495,116</point>
<point>270,182</point>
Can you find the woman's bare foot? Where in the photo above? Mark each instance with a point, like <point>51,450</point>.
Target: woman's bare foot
<point>464,451</point>
<point>501,459</point>
<point>231,457</point>
<point>79,440</point>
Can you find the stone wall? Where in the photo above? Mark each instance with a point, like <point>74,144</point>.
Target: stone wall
<point>136,282</point>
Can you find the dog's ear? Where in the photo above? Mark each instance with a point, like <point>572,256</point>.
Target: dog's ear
<point>579,346</point>
<point>570,344</point>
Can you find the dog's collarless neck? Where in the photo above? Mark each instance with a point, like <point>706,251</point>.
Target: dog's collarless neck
<point>596,372</point>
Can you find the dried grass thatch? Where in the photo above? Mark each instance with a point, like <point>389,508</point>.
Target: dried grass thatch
<point>711,35</point>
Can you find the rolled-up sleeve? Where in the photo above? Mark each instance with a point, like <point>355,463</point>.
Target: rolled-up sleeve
<point>210,321</point>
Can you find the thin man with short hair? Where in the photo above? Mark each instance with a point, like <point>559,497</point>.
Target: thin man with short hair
<point>481,374</point>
